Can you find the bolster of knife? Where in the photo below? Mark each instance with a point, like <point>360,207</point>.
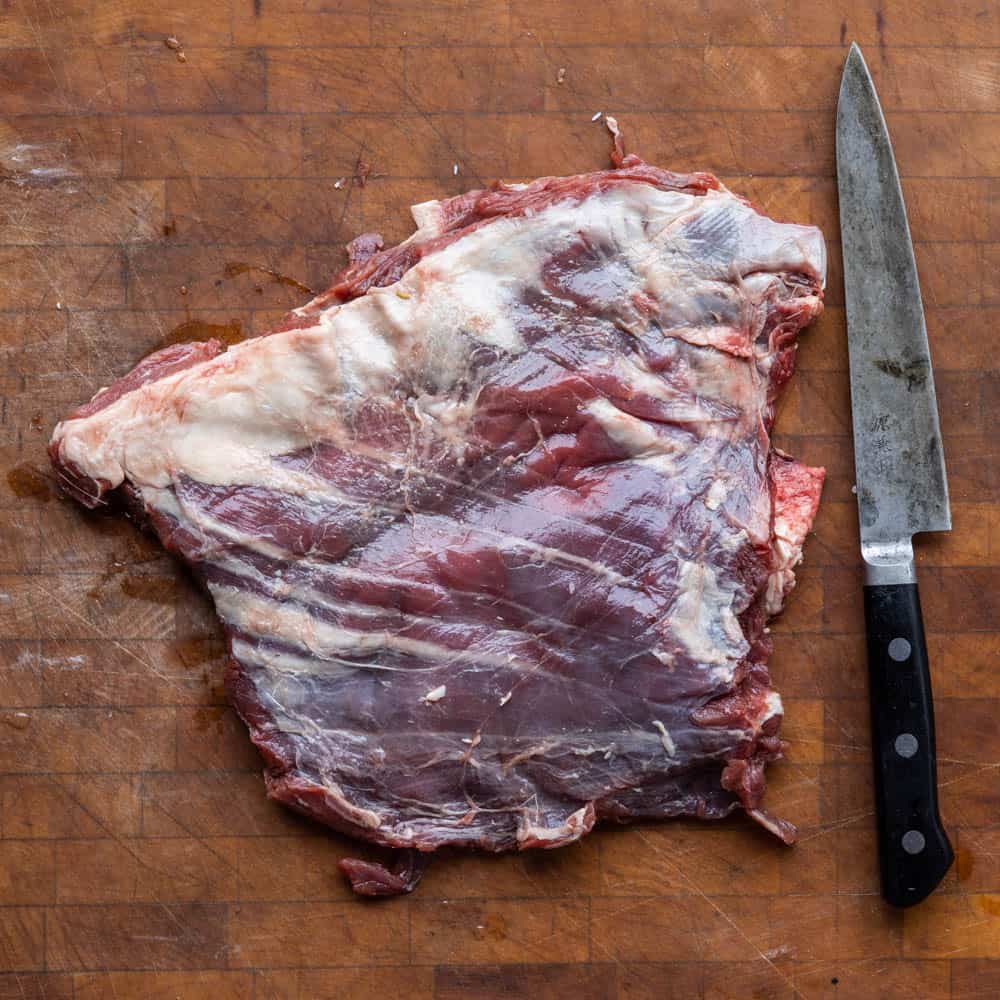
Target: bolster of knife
<point>914,852</point>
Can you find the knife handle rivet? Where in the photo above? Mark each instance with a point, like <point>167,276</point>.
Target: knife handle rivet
<point>906,744</point>
<point>899,650</point>
<point>913,842</point>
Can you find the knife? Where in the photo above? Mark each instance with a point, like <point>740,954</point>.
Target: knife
<point>901,485</point>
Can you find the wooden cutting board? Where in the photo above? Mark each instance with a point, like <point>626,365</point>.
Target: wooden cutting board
<point>153,192</point>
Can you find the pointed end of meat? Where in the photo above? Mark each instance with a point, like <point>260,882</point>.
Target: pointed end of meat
<point>619,158</point>
<point>781,828</point>
<point>745,777</point>
<point>618,143</point>
<point>370,878</point>
<point>71,440</point>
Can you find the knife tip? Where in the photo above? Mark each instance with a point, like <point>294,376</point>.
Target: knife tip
<point>854,55</point>
<point>855,71</point>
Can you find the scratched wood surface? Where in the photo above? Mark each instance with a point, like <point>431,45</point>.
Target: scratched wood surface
<point>153,192</point>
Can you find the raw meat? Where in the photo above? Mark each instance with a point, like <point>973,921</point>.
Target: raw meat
<point>494,526</point>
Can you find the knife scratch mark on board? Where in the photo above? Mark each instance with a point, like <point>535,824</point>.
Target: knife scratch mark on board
<point>868,813</point>
<point>449,146</point>
<point>719,911</point>
<point>123,842</point>
<point>96,628</point>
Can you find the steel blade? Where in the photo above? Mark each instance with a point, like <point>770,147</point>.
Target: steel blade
<point>899,459</point>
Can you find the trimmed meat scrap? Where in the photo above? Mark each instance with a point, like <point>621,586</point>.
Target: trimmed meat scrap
<point>494,526</point>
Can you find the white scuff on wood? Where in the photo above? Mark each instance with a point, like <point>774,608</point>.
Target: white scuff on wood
<point>436,695</point>
<point>454,169</point>
<point>782,951</point>
<point>596,115</point>
<point>26,162</point>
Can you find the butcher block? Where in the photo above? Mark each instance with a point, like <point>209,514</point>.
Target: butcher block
<point>194,172</point>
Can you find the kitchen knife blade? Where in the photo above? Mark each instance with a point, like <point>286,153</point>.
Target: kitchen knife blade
<point>901,484</point>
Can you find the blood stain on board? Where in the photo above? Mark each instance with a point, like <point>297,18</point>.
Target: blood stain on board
<point>234,270</point>
<point>157,589</point>
<point>964,863</point>
<point>28,483</point>
<point>493,926</point>
<point>210,718</point>
<point>196,652</point>
<point>195,329</point>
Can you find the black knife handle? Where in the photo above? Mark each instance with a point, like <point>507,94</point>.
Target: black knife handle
<point>914,852</point>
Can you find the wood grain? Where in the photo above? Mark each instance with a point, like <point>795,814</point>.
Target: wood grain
<point>139,856</point>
